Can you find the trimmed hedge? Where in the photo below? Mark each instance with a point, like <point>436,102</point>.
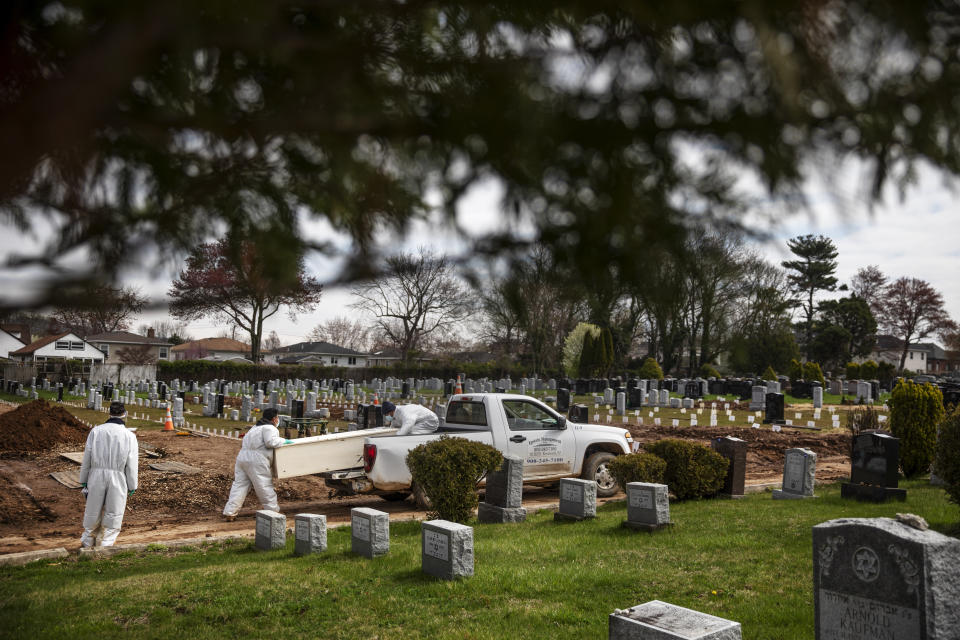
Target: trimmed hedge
<point>813,373</point>
<point>947,464</point>
<point>206,370</point>
<point>915,412</point>
<point>637,467</point>
<point>448,470</point>
<point>693,470</point>
<point>707,370</point>
<point>770,374</point>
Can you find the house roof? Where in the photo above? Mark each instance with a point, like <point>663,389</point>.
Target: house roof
<point>125,337</point>
<point>214,344</point>
<point>42,342</point>
<point>887,343</point>
<point>2,330</point>
<point>385,354</point>
<point>318,348</point>
<point>934,351</point>
<point>19,331</point>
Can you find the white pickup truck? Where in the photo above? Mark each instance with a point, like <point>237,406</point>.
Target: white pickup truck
<point>550,446</point>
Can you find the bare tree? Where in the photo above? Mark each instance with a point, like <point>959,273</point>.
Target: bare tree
<point>93,309</point>
<point>343,332</point>
<point>137,354</point>
<point>911,309</point>
<point>868,283</point>
<point>272,342</point>
<point>170,330</point>
<point>417,295</point>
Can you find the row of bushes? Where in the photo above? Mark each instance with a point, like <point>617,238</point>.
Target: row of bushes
<point>448,470</point>
<point>206,370</point>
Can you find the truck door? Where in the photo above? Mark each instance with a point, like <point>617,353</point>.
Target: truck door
<point>535,437</point>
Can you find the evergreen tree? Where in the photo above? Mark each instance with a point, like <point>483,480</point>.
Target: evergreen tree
<point>811,272</point>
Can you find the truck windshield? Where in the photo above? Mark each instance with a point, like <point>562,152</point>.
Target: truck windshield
<point>472,413</point>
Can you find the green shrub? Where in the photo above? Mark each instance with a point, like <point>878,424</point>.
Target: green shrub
<point>707,370</point>
<point>886,372</point>
<point>770,374</point>
<point>813,373</point>
<point>915,412</point>
<point>853,371</point>
<point>693,470</point>
<point>869,370</point>
<point>637,467</point>
<point>650,370</point>
<point>796,370</point>
<point>448,470</point>
<point>947,463</point>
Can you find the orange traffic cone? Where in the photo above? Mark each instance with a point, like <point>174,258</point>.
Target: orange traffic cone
<point>459,388</point>
<point>168,423</point>
<point>376,400</point>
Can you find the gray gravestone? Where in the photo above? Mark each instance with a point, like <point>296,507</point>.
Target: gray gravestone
<point>656,620</point>
<point>621,404</point>
<point>370,532</point>
<point>735,451</point>
<point>504,493</point>
<point>271,530</point>
<point>758,398</point>
<point>446,549</point>
<point>578,499</point>
<point>878,578</point>
<point>310,532</point>
<point>817,397</point>
<point>648,506</point>
<point>799,471</point>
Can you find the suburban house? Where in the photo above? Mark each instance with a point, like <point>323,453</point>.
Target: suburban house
<point>217,349</point>
<point>318,354</point>
<point>389,356</point>
<point>9,342</point>
<point>50,352</point>
<point>889,349</point>
<point>938,361</point>
<point>129,348</point>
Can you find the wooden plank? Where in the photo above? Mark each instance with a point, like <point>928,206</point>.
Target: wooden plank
<point>174,467</point>
<point>319,454</point>
<point>73,456</point>
<point>70,479</point>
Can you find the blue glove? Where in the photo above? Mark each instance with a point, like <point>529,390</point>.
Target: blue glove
<point>130,493</point>
<point>288,442</point>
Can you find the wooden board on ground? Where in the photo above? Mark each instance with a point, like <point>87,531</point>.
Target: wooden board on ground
<point>70,479</point>
<point>320,454</point>
<point>174,467</point>
<point>73,456</point>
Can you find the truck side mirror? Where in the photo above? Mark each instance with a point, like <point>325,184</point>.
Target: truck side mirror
<point>561,423</point>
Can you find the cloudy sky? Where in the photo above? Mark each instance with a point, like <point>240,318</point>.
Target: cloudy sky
<point>916,236</point>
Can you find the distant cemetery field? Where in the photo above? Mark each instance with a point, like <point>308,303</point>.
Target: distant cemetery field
<point>747,560</point>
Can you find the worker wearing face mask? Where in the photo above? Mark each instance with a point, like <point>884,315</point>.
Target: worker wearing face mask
<point>253,465</point>
<point>108,475</point>
<point>410,419</point>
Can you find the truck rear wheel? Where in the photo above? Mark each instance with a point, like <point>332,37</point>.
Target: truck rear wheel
<point>420,497</point>
<point>595,468</point>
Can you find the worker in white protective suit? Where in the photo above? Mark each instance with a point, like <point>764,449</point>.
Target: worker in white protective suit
<point>253,465</point>
<point>108,475</point>
<point>410,419</point>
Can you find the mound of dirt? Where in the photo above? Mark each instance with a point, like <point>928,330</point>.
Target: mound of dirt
<point>39,426</point>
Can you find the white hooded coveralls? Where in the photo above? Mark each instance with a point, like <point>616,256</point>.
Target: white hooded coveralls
<point>414,419</point>
<point>253,468</point>
<point>109,469</point>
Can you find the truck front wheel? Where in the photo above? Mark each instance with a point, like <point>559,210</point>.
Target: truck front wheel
<point>595,468</point>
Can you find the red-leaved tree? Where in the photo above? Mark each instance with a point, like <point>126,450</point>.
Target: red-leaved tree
<point>243,287</point>
<point>911,309</point>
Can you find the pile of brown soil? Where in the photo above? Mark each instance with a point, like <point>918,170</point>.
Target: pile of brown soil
<point>180,494</point>
<point>39,426</point>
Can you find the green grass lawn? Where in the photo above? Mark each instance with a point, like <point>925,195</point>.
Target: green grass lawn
<point>747,560</point>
